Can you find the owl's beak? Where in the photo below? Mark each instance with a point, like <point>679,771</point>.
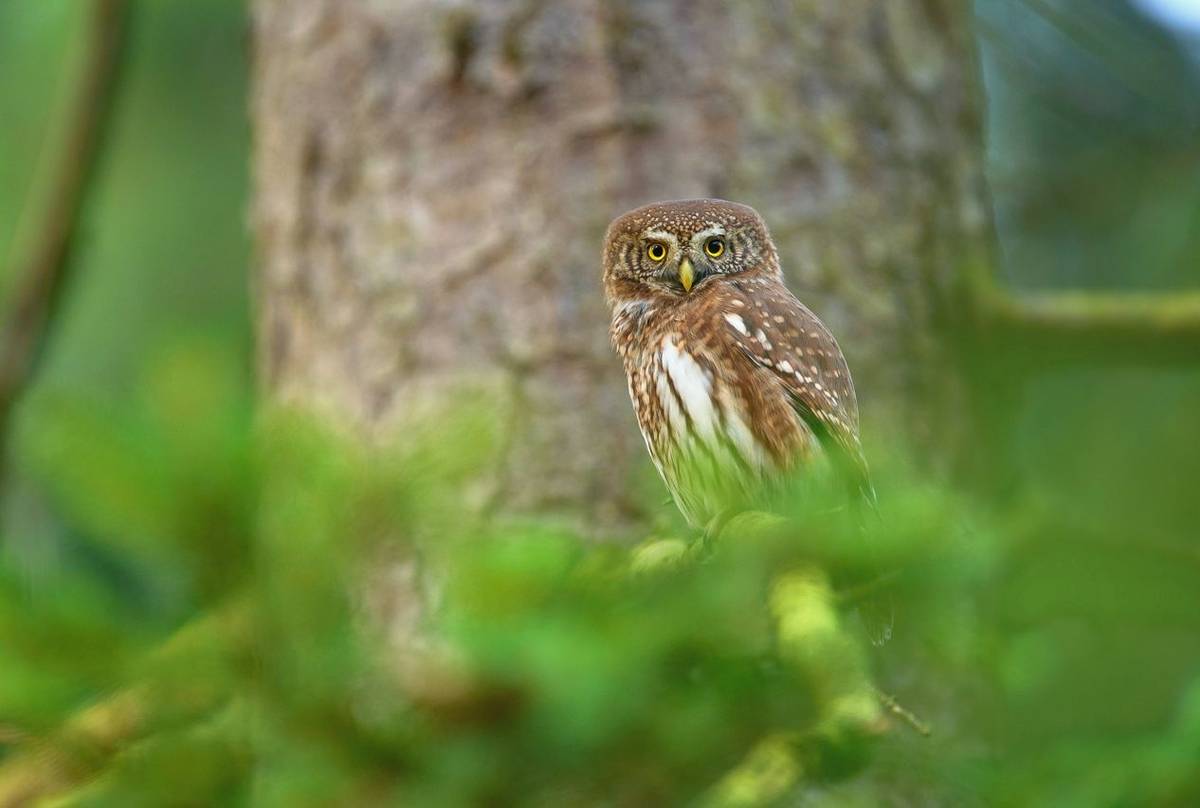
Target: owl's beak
<point>687,274</point>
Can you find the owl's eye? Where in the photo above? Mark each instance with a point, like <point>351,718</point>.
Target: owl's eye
<point>656,251</point>
<point>714,247</point>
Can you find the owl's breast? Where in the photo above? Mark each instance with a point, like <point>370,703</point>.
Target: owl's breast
<point>698,421</point>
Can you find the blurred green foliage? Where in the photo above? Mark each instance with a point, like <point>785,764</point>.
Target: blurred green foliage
<point>550,671</point>
<point>1052,638</point>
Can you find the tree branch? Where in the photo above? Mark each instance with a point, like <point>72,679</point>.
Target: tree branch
<point>43,253</point>
<point>1052,329</point>
<point>89,740</point>
<point>1101,329</point>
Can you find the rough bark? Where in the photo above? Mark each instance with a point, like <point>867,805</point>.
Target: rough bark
<point>434,179</point>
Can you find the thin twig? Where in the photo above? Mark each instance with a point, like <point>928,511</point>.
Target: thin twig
<point>860,592</point>
<point>42,256</point>
<point>905,715</point>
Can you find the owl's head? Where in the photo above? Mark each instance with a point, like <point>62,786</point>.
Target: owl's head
<point>677,249</point>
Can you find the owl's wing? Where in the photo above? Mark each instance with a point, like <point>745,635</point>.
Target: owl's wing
<point>777,332</point>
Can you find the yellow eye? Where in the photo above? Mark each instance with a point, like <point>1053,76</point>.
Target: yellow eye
<point>656,251</point>
<point>714,247</point>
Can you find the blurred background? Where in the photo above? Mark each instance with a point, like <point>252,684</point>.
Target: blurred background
<point>162,263</point>
<point>1058,653</point>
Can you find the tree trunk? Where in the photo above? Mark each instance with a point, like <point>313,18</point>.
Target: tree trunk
<point>434,179</point>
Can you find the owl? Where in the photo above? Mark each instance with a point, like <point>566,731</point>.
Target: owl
<point>738,388</point>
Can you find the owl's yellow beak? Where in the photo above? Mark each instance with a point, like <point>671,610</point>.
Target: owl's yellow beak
<point>687,274</point>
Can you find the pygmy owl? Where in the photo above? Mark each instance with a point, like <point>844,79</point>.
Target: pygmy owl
<point>737,386</point>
